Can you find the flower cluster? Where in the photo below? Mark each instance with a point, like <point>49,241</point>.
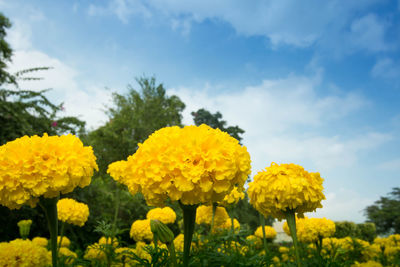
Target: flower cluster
<point>286,187</point>
<point>72,211</point>
<point>270,232</point>
<point>107,241</point>
<point>22,253</point>
<point>141,231</point>
<point>194,164</point>
<point>165,215</point>
<point>204,215</point>
<point>31,167</point>
<point>310,230</point>
<point>233,197</point>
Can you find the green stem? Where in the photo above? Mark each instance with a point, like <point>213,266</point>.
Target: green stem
<point>262,221</point>
<point>49,206</point>
<point>189,218</point>
<point>171,249</point>
<point>214,209</point>
<point>61,235</point>
<point>116,212</point>
<point>291,221</point>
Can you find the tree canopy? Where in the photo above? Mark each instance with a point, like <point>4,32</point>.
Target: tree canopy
<point>385,213</point>
<point>215,121</point>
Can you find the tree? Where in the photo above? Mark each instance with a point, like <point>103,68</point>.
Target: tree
<point>385,213</point>
<point>215,121</point>
<point>5,51</point>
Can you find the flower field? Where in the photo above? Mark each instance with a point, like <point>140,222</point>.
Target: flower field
<point>192,179</point>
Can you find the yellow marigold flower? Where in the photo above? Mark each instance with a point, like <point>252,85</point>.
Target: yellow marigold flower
<point>22,253</point>
<point>64,252</point>
<point>178,242</point>
<point>284,250</point>
<point>31,167</point>
<point>311,229</point>
<point>107,241</point>
<point>141,252</point>
<point>367,264</point>
<point>233,197</point>
<point>72,211</point>
<point>285,187</point>
<point>165,215</point>
<point>40,241</point>
<point>254,240</point>
<point>204,215</point>
<point>95,252</point>
<point>194,164</point>
<point>65,241</point>
<point>127,254</point>
<point>269,232</point>
<point>140,230</point>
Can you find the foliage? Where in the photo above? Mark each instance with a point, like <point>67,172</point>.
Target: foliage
<point>215,121</point>
<point>385,213</point>
<point>5,51</point>
<point>132,118</point>
<point>364,231</point>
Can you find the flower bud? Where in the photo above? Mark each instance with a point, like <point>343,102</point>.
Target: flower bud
<point>24,228</point>
<point>161,231</point>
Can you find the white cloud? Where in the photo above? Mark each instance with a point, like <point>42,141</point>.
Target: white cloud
<point>85,102</point>
<point>295,23</point>
<point>368,32</point>
<point>343,205</point>
<point>386,68</point>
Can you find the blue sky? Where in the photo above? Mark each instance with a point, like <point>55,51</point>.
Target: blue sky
<point>311,82</point>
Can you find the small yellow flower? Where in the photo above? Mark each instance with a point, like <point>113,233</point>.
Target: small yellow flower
<point>270,232</point>
<point>311,229</point>
<point>72,211</point>
<point>141,231</point>
<point>165,215</point>
<point>204,215</point>
<point>65,241</point>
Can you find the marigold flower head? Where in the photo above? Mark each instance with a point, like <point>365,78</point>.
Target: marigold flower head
<point>95,252</point>
<point>310,230</point>
<point>22,253</point>
<point>165,215</point>
<point>286,187</point>
<point>40,241</point>
<point>194,164</point>
<point>31,167</point>
<point>269,232</point>
<point>107,241</point>
<point>65,242</point>
<point>72,211</point>
<point>204,215</point>
<point>141,231</point>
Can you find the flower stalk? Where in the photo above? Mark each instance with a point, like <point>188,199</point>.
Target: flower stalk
<point>291,221</point>
<point>49,206</point>
<point>262,221</point>
<point>189,218</point>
